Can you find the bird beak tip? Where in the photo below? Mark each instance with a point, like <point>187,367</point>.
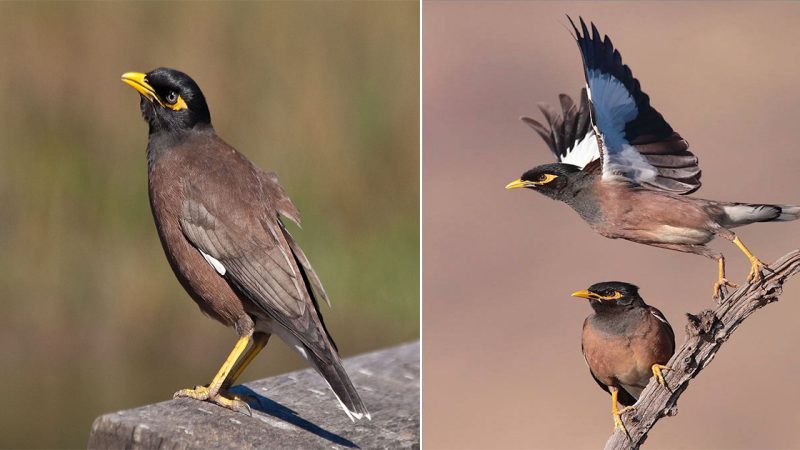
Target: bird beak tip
<point>518,183</point>
<point>581,294</point>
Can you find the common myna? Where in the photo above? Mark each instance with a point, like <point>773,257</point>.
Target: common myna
<point>624,342</point>
<point>219,220</point>
<point>626,172</point>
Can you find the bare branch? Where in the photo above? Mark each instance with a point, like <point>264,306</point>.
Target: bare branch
<point>705,334</point>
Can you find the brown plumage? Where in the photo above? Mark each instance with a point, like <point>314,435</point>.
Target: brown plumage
<point>624,169</point>
<point>219,220</point>
<point>625,342</point>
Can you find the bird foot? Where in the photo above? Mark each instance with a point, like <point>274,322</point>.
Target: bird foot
<point>755,270</point>
<point>618,424</point>
<point>657,368</point>
<point>233,402</point>
<point>720,288</point>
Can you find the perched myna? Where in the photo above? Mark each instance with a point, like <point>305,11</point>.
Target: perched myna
<point>624,342</point>
<point>219,220</point>
<point>625,171</point>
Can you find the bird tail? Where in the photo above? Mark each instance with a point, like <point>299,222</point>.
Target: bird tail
<point>333,372</point>
<point>737,214</point>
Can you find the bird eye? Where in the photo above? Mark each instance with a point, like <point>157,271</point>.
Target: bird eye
<point>172,97</point>
<point>546,178</point>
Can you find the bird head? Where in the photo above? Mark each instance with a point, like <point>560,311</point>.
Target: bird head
<point>611,295</point>
<point>170,100</point>
<point>552,180</point>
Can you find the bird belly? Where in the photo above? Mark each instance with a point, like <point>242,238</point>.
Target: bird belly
<point>681,235</point>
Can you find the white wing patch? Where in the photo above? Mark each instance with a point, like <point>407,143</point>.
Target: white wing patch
<point>583,151</point>
<point>659,316</point>
<point>214,262</point>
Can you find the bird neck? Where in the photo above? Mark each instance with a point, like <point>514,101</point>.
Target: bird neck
<point>580,195</point>
<point>616,320</point>
<point>161,141</point>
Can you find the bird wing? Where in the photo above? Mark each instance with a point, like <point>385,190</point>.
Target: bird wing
<point>259,258</point>
<point>569,133</point>
<point>664,324</point>
<point>635,142</point>
<point>271,186</point>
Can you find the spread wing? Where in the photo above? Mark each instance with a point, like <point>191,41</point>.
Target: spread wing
<point>636,143</point>
<point>569,134</point>
<point>259,258</point>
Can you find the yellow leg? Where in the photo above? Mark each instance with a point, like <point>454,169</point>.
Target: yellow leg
<point>259,342</point>
<point>211,393</point>
<point>657,368</point>
<point>616,412</point>
<point>755,263</point>
<point>722,281</point>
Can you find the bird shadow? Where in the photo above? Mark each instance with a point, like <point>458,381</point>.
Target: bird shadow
<point>270,407</point>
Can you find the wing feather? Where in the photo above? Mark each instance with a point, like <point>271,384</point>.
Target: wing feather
<point>569,134</point>
<point>636,143</point>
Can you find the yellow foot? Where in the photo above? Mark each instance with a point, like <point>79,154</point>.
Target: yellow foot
<point>720,284</point>
<point>755,269</point>
<point>234,402</point>
<point>618,424</point>
<point>657,368</point>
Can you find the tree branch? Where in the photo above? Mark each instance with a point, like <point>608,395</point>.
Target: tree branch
<point>705,334</point>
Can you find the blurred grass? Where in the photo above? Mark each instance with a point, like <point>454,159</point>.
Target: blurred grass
<point>91,317</point>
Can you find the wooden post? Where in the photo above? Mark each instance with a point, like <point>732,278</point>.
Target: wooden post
<point>295,410</point>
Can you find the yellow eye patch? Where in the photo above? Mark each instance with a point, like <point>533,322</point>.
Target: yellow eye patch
<point>613,296</point>
<point>545,178</point>
<point>178,105</point>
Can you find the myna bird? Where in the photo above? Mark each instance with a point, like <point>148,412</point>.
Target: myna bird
<point>624,342</point>
<point>626,171</point>
<point>219,220</point>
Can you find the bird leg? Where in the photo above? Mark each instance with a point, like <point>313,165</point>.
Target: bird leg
<point>657,368</point>
<point>755,264</point>
<point>616,412</point>
<point>259,342</point>
<point>722,282</point>
<point>212,391</point>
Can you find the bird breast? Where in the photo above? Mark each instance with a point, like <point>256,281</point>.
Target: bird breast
<point>621,353</point>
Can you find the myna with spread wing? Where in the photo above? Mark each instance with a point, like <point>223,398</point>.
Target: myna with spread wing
<point>219,220</point>
<point>627,172</point>
<point>625,342</point>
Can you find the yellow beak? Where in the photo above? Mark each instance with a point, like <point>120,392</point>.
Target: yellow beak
<point>517,184</point>
<point>584,294</point>
<point>138,81</point>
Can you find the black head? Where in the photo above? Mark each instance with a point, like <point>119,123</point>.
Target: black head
<point>170,100</point>
<point>552,180</point>
<point>611,295</point>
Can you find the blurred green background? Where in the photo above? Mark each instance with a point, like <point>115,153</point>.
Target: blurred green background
<point>91,318</point>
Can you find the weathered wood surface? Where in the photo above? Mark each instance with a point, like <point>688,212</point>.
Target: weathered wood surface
<point>706,332</point>
<point>296,410</point>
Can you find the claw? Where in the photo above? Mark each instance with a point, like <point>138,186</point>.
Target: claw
<point>755,270</point>
<point>234,403</point>
<point>657,368</point>
<point>618,424</point>
<point>719,287</point>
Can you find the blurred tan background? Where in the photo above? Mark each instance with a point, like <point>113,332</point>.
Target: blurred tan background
<point>502,361</point>
<point>91,318</point>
